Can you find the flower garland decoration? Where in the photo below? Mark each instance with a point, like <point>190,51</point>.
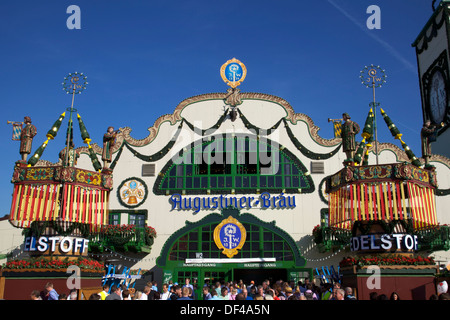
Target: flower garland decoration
<point>85,264</point>
<point>389,260</point>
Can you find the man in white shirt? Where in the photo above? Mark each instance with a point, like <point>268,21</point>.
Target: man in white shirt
<point>145,293</point>
<point>165,293</point>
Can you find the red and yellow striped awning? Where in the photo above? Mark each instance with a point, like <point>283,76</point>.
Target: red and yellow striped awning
<point>67,202</point>
<point>386,200</point>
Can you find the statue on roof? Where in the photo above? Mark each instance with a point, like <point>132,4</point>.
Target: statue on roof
<point>349,130</point>
<point>26,138</point>
<point>233,99</point>
<point>428,135</point>
<point>108,143</point>
<point>72,158</point>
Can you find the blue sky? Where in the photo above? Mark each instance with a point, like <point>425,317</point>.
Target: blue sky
<point>142,58</point>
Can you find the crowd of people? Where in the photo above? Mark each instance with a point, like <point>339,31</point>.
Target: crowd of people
<point>280,290</point>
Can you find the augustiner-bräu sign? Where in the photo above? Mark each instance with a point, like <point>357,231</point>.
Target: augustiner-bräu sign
<point>384,242</point>
<point>265,200</point>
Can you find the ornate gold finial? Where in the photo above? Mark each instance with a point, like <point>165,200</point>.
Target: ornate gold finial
<point>233,72</point>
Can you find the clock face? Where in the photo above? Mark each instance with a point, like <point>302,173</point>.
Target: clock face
<point>438,97</point>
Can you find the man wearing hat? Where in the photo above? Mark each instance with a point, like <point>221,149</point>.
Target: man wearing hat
<point>349,130</point>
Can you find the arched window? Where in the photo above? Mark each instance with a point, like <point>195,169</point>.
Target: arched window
<point>260,243</point>
<point>240,164</point>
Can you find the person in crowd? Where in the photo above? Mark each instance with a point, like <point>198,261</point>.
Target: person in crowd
<point>177,294</point>
<point>95,296</point>
<point>261,291</point>
<point>186,292</point>
<point>258,297</point>
<point>382,297</point>
<point>214,295</point>
<point>115,294</point>
<point>73,295</point>
<point>240,296</point>
<point>52,294</point>
<point>394,296</point>
<point>444,296</point>
<point>339,294</point>
<point>206,294</point>
<point>104,293</point>
<point>373,296</point>
<point>165,292</point>
<point>245,293</point>
<point>349,294</point>
<point>145,293</point>
<point>326,291</point>
<point>309,293</point>
<point>218,288</point>
<point>233,294</point>
<point>126,295</point>
<point>224,294</point>
<point>35,295</point>
<point>288,292</point>
<point>137,295</point>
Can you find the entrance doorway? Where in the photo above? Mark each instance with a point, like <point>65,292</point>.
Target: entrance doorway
<point>259,275</point>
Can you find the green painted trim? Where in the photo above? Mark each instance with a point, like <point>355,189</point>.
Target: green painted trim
<point>163,262</point>
<point>306,176</point>
<point>431,21</point>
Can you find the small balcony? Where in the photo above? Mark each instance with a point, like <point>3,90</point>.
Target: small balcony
<point>330,238</point>
<point>435,238</point>
<point>123,238</point>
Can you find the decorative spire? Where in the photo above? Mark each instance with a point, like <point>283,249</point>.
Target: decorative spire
<point>373,77</point>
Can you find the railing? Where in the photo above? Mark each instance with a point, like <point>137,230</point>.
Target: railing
<point>121,238</point>
<point>434,239</point>
<point>328,238</point>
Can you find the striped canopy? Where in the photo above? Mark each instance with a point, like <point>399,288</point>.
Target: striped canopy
<point>67,194</point>
<point>383,192</point>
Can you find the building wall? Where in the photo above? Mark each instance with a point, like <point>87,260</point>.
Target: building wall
<point>262,111</point>
<point>11,239</point>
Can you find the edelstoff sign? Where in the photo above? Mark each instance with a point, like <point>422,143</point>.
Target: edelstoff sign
<point>65,245</point>
<point>385,242</point>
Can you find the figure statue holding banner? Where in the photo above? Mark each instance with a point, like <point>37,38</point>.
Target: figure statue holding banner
<point>428,135</point>
<point>108,143</point>
<point>349,130</point>
<point>26,138</point>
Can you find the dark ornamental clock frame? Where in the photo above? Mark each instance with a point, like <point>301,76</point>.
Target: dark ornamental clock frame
<point>439,66</point>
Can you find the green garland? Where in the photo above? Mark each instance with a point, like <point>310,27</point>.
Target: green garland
<point>442,192</point>
<point>210,130</point>
<point>308,153</point>
<point>321,195</point>
<point>161,153</point>
<point>250,126</point>
<point>37,228</point>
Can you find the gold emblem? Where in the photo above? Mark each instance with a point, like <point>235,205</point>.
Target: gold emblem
<point>230,236</point>
<point>233,72</point>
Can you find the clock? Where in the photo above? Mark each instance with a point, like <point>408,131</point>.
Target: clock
<point>437,97</point>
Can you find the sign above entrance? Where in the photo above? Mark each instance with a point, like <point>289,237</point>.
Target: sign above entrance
<point>230,236</point>
<point>233,72</point>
